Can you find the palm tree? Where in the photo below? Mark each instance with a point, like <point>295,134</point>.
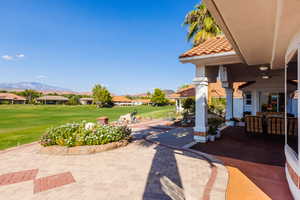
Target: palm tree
<point>201,25</point>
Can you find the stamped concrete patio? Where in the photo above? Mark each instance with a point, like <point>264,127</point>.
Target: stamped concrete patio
<point>141,170</point>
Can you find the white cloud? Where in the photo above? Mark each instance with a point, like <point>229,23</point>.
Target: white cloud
<point>20,55</point>
<point>7,57</point>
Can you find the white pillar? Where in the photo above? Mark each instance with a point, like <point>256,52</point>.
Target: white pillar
<point>229,106</point>
<point>201,87</point>
<point>255,102</point>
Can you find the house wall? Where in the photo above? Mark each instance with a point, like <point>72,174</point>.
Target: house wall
<point>238,109</point>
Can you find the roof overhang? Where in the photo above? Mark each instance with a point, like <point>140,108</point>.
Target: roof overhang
<point>213,59</point>
<point>260,31</point>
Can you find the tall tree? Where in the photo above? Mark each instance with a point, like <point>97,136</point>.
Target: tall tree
<point>159,98</point>
<point>102,96</point>
<point>30,95</point>
<point>201,25</point>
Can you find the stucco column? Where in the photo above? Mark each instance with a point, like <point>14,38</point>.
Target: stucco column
<point>201,87</point>
<point>229,106</point>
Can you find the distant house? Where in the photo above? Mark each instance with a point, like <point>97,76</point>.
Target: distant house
<point>86,101</point>
<point>11,98</point>
<point>52,100</point>
<point>138,102</point>
<point>181,94</point>
<point>122,101</point>
<point>215,91</point>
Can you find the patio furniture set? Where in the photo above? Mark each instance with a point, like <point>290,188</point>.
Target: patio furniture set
<point>271,123</point>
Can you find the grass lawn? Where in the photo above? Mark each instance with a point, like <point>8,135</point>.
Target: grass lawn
<point>21,124</point>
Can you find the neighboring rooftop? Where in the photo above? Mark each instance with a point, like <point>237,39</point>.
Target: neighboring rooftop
<point>142,100</point>
<point>121,99</point>
<point>211,46</point>
<point>185,92</point>
<point>53,98</point>
<point>10,96</point>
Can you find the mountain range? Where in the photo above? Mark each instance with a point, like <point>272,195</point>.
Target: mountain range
<point>31,85</point>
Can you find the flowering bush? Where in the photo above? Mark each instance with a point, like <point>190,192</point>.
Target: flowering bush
<point>76,134</point>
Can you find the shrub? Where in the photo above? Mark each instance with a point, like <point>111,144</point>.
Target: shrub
<point>189,105</point>
<point>77,134</point>
<point>217,105</point>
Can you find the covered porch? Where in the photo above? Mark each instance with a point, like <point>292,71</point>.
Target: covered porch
<point>264,53</point>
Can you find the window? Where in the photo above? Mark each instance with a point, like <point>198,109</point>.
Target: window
<point>248,98</point>
<point>292,104</point>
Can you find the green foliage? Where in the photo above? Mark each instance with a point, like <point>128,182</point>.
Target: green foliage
<point>74,100</point>
<point>102,96</point>
<point>217,105</point>
<point>189,105</point>
<point>30,95</point>
<point>214,124</point>
<point>76,134</point>
<point>184,86</point>
<point>202,25</point>
<point>5,102</point>
<point>159,98</point>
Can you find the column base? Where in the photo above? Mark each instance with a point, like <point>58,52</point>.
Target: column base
<point>201,137</point>
<point>230,123</point>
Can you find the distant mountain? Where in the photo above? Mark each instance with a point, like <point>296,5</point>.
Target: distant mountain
<point>31,85</point>
<point>168,92</point>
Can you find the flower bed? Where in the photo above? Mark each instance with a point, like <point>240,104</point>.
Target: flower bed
<point>73,135</point>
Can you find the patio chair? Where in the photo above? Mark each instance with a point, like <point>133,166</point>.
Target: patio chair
<point>292,126</point>
<point>254,124</point>
<point>275,125</point>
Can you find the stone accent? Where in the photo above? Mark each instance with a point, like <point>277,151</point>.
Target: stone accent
<point>294,176</point>
<point>17,177</point>
<point>103,120</point>
<point>200,133</point>
<point>54,181</point>
<point>81,150</point>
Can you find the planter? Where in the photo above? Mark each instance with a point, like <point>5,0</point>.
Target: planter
<point>81,150</point>
<point>211,138</point>
<point>240,124</point>
<point>218,135</point>
<point>230,123</point>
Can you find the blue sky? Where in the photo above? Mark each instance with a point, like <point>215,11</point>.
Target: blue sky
<point>129,46</point>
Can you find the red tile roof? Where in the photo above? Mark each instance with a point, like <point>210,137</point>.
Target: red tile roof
<point>211,46</point>
<point>52,98</point>
<point>10,96</point>
<point>185,92</point>
<point>121,99</point>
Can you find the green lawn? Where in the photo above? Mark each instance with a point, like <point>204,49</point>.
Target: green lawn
<point>20,124</point>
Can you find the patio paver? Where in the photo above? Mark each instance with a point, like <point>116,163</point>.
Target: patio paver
<point>132,172</point>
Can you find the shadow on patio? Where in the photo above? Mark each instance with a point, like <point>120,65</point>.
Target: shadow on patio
<point>164,180</point>
<point>260,158</point>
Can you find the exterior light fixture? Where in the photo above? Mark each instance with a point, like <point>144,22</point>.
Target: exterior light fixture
<point>265,77</point>
<point>263,68</point>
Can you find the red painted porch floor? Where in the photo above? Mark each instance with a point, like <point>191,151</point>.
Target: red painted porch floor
<point>260,158</point>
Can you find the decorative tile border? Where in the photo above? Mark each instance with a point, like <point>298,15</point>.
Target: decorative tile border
<point>54,181</point>
<point>294,176</point>
<point>18,177</point>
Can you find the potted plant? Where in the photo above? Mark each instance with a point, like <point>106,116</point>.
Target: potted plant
<point>218,133</point>
<point>212,131</point>
<point>241,122</point>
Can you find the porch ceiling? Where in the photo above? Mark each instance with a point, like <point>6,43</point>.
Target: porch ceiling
<point>260,31</point>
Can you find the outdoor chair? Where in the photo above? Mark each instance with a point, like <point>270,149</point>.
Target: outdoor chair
<point>275,125</point>
<point>254,124</point>
<point>292,126</point>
